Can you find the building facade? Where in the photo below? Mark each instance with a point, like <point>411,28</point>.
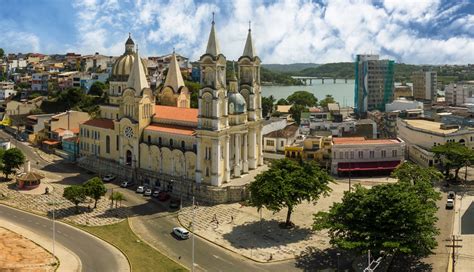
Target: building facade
<point>460,94</point>
<point>425,85</point>
<point>374,83</point>
<point>359,155</point>
<point>210,145</point>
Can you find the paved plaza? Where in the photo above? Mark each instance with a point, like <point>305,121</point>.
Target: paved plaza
<point>240,229</point>
<point>38,202</point>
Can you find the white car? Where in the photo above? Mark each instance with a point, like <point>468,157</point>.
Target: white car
<point>182,233</point>
<point>140,189</point>
<point>147,192</point>
<point>108,178</point>
<point>450,204</point>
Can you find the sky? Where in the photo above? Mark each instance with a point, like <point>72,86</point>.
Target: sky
<point>284,31</point>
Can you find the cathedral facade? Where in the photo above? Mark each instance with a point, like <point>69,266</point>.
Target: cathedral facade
<point>160,133</point>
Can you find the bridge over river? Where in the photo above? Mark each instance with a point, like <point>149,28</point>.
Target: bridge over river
<point>310,79</point>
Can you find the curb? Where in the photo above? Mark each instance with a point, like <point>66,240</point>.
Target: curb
<point>150,245</point>
<point>233,251</point>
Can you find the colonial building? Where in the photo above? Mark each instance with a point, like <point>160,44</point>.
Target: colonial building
<point>210,145</point>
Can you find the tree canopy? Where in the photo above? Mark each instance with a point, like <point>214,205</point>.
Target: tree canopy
<point>282,101</point>
<point>296,111</point>
<point>95,189</point>
<point>453,156</point>
<point>395,218</point>
<point>193,88</point>
<point>303,98</point>
<point>98,88</point>
<point>12,159</point>
<point>76,194</point>
<point>328,99</point>
<point>286,184</point>
<point>267,105</point>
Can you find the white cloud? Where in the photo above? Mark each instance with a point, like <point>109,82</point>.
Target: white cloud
<point>283,31</point>
<point>24,41</point>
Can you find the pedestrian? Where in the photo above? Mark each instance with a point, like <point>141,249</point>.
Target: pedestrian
<point>271,256</point>
<point>231,219</point>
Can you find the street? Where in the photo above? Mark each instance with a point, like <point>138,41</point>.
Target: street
<point>95,255</point>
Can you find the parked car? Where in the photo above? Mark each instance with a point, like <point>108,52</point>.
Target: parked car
<point>126,184</point>
<point>155,193</point>
<point>163,196</point>
<point>147,192</point>
<point>141,189</point>
<point>451,195</point>
<point>450,204</point>
<point>108,178</point>
<point>182,233</point>
<point>175,203</point>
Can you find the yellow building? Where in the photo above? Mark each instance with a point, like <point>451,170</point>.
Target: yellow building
<point>317,148</point>
<point>211,145</point>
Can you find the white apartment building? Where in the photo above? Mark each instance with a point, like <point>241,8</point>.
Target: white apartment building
<point>422,135</point>
<point>459,94</point>
<point>352,155</point>
<point>425,85</point>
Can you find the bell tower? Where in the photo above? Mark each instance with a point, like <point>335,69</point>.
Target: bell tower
<point>249,87</point>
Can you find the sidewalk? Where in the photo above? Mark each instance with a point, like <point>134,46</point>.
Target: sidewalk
<point>68,260</point>
<point>465,254</point>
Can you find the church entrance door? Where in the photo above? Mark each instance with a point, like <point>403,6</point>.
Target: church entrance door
<point>129,157</point>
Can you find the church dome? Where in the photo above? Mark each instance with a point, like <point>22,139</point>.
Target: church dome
<point>237,103</point>
<point>123,64</point>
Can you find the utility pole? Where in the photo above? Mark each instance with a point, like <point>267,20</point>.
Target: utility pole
<point>192,225</point>
<point>454,246</point>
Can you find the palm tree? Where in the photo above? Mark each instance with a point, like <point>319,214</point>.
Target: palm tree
<point>119,197</point>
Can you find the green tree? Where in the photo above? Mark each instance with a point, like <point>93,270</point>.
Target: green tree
<point>95,189</point>
<point>12,159</point>
<point>267,105</point>
<point>296,111</point>
<point>282,101</point>
<point>76,194</point>
<point>2,53</point>
<point>97,88</point>
<point>286,184</point>
<point>71,97</point>
<point>117,197</point>
<point>328,99</point>
<point>389,217</point>
<point>303,98</point>
<point>193,88</point>
<point>453,156</point>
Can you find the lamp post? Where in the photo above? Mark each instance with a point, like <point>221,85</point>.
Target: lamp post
<point>54,224</point>
<point>192,226</point>
<point>338,254</point>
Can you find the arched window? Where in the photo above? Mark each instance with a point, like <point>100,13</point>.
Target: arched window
<point>206,105</point>
<point>245,94</point>
<point>171,142</point>
<point>107,144</point>
<point>119,90</point>
<point>462,141</point>
<point>183,145</point>
<point>149,139</point>
<point>222,105</point>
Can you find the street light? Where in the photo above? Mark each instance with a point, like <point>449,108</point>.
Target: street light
<point>192,226</point>
<point>338,254</point>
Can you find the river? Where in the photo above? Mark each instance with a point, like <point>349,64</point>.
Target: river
<point>341,91</point>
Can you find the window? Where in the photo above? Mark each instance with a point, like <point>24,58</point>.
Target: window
<point>159,141</point>
<point>107,144</point>
<point>270,143</point>
<point>206,105</point>
<point>371,154</point>
<point>346,155</point>
<point>384,153</point>
<point>341,155</point>
<point>394,153</point>
<point>282,143</point>
<point>171,142</point>
<point>352,154</point>
<point>149,139</point>
<point>183,145</point>
<point>361,154</point>
<point>117,140</point>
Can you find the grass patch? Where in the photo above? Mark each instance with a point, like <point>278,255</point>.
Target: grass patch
<point>141,256</point>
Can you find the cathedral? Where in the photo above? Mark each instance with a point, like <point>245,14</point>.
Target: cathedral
<point>159,132</point>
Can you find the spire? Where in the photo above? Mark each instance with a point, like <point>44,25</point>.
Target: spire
<point>137,79</point>
<point>174,79</point>
<point>212,43</point>
<point>249,50</point>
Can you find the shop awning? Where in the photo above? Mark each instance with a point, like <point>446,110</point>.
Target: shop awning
<point>367,166</point>
<point>50,142</point>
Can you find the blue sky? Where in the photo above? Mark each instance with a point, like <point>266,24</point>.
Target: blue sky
<point>410,31</point>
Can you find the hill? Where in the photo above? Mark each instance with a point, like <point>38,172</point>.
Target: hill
<point>289,68</point>
<point>338,70</point>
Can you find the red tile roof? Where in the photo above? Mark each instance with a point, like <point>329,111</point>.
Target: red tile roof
<point>100,122</point>
<point>50,142</point>
<point>175,113</point>
<point>361,141</point>
<point>173,129</point>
